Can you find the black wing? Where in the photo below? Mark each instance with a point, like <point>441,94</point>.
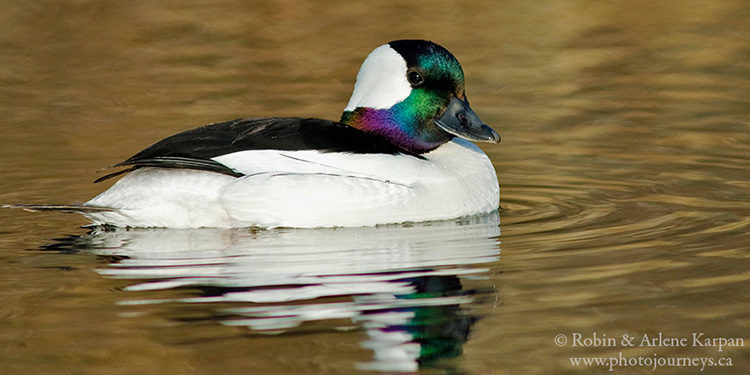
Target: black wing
<point>193,149</point>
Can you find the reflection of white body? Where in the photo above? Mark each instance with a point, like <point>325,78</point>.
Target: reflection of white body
<point>307,189</point>
<point>266,268</point>
<point>333,260</point>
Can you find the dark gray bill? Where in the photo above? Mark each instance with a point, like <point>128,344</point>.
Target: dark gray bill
<point>460,120</point>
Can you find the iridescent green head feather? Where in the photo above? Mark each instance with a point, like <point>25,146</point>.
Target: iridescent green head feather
<point>403,92</point>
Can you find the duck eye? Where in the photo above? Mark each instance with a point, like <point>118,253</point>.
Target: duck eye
<point>415,78</point>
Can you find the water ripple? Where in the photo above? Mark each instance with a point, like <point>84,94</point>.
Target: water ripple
<point>403,285</point>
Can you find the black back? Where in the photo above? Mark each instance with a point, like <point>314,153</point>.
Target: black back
<point>194,148</point>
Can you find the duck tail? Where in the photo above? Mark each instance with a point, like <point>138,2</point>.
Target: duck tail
<point>74,208</point>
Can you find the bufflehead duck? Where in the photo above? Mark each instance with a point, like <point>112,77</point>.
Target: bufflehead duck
<point>399,153</point>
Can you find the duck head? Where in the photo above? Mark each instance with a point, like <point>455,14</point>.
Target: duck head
<point>412,93</point>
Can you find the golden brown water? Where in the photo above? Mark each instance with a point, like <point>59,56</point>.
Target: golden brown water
<point>624,168</point>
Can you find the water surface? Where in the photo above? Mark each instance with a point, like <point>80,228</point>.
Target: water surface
<point>624,172</point>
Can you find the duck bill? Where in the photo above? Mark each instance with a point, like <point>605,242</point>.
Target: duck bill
<point>460,120</point>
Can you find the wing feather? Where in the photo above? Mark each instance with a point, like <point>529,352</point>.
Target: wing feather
<point>195,149</point>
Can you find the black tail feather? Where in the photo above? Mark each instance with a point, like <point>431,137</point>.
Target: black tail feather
<point>172,162</point>
<point>77,208</point>
<point>115,174</point>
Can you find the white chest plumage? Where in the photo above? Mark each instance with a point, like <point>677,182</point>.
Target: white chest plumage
<point>307,189</point>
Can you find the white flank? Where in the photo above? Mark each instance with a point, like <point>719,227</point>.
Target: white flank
<point>307,189</point>
<point>381,81</point>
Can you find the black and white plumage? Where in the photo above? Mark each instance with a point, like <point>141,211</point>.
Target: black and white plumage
<point>393,157</point>
<point>195,148</point>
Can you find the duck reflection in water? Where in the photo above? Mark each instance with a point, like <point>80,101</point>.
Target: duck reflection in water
<point>404,285</point>
<point>417,336</point>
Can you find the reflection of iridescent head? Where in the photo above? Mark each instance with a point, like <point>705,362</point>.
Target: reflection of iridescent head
<point>431,325</point>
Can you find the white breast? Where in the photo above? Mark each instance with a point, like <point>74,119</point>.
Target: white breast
<point>307,189</point>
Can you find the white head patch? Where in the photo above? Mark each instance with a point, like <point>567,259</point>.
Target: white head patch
<point>381,81</point>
